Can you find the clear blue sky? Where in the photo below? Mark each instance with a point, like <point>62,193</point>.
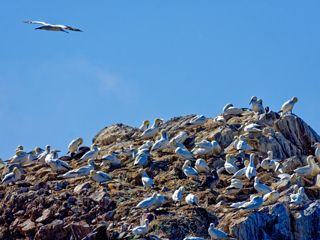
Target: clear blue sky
<point>139,60</point>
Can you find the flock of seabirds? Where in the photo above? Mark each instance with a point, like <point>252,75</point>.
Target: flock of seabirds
<point>202,147</point>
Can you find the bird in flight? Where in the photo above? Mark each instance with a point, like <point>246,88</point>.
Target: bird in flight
<point>51,27</point>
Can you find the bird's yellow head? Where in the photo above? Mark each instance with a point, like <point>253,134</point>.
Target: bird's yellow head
<point>146,122</point>
<point>93,173</point>
<point>198,139</point>
<point>80,140</point>
<point>295,99</point>
<point>16,170</point>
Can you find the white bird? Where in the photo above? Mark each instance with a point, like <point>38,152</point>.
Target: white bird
<point>297,198</point>
<point>204,147</point>
<point>256,106</point>
<point>192,199</point>
<point>236,139</point>
<point>141,159</point>
<point>181,137</point>
<point>216,233</point>
<point>160,201</point>
<point>240,204</point>
<point>162,143</point>
<point>52,155</point>
<point>229,109</point>
<point>261,188</point>
<point>254,204</point>
<point>240,174</point>
<point>219,120</point>
<point>252,128</point>
<point>146,180</point>
<point>317,151</point>
<point>315,168</point>
<point>198,120</point>
<point>83,171</point>
<point>42,156</point>
<point>94,151</point>
<point>12,177</point>
<point>251,171</point>
<point>184,154</point>
<point>173,144</point>
<point>235,187</point>
<point>110,158</point>
<point>306,170</point>
<point>177,195</point>
<point>242,144</point>
<point>146,146</point>
<point>58,165</point>
<point>230,168</point>
<point>52,27</point>
<point>73,146</point>
<point>188,170</point>
<point>148,202</point>
<point>267,163</point>
<point>21,157</point>
<point>270,198</point>
<point>287,106</point>
<point>145,125</point>
<point>32,156</point>
<point>149,133</point>
<point>99,176</point>
<point>201,166</point>
<point>141,229</point>
<point>39,151</point>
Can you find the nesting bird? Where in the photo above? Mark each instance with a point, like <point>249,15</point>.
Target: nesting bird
<point>317,151</point>
<point>201,166</point>
<point>230,167</point>
<point>188,170</point>
<point>240,174</point>
<point>229,109</point>
<point>145,125</point>
<point>149,133</point>
<point>204,147</point>
<point>251,171</point>
<point>94,151</point>
<point>270,198</point>
<point>42,156</point>
<point>297,198</point>
<point>141,159</point>
<point>110,158</point>
<point>177,195</point>
<point>267,163</point>
<point>219,121</point>
<point>99,176</point>
<point>243,145</point>
<point>287,106</point>
<point>216,233</point>
<point>235,187</point>
<point>192,199</point>
<point>162,143</point>
<point>141,229</point>
<point>256,106</point>
<point>146,180</point>
<point>252,128</point>
<point>12,177</point>
<point>184,154</point>
<point>82,171</point>
<point>261,188</point>
<point>181,137</point>
<point>306,170</point>
<point>148,202</point>
<point>73,146</point>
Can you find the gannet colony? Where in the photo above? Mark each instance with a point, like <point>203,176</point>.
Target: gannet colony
<point>244,174</point>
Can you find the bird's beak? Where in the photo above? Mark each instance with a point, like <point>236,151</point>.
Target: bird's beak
<point>58,151</point>
<point>250,102</point>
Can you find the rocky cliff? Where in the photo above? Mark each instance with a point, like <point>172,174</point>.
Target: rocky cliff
<point>42,205</point>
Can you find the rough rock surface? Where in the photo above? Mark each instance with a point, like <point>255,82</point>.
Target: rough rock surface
<point>42,205</point>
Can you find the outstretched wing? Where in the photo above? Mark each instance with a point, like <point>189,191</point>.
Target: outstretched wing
<point>43,23</point>
<point>69,28</point>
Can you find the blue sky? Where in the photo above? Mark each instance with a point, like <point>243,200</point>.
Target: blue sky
<point>139,60</point>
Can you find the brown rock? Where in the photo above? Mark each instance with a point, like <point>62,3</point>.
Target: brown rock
<point>80,230</point>
<point>27,228</point>
<point>81,188</point>
<point>46,215</point>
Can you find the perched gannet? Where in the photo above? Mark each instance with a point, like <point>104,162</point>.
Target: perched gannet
<point>149,133</point>
<point>192,199</point>
<point>181,137</point>
<point>52,155</point>
<point>279,168</point>
<point>317,152</point>
<point>188,170</point>
<point>252,127</point>
<point>32,156</point>
<point>99,176</point>
<point>177,195</point>
<point>267,163</point>
<point>230,168</point>
<point>235,187</point>
<point>58,165</point>
<point>254,204</point>
<point>21,157</point>
<point>260,102</point>
<point>219,121</point>
<point>12,176</point>
<point>287,106</point>
<point>242,144</point>
<point>216,233</point>
<point>94,151</point>
<point>198,120</point>
<point>204,147</point>
<point>240,204</point>
<point>160,201</point>
<point>20,147</point>
<point>284,176</point>
<point>145,125</point>
<point>251,170</point>
<point>146,180</point>
<point>240,174</point>
<point>83,171</point>
<point>236,139</point>
<point>141,229</point>
<point>148,202</point>
<point>52,27</point>
<point>162,143</point>
<point>270,198</point>
<point>141,159</point>
<point>173,144</point>
<point>297,198</point>
<point>73,146</point>
<point>315,168</point>
<point>42,156</point>
<point>201,166</point>
<point>229,109</point>
<point>146,146</point>
<point>39,151</point>
<point>256,106</point>
<point>211,180</point>
<point>110,158</point>
<point>261,188</point>
<point>306,170</point>
<point>184,154</point>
